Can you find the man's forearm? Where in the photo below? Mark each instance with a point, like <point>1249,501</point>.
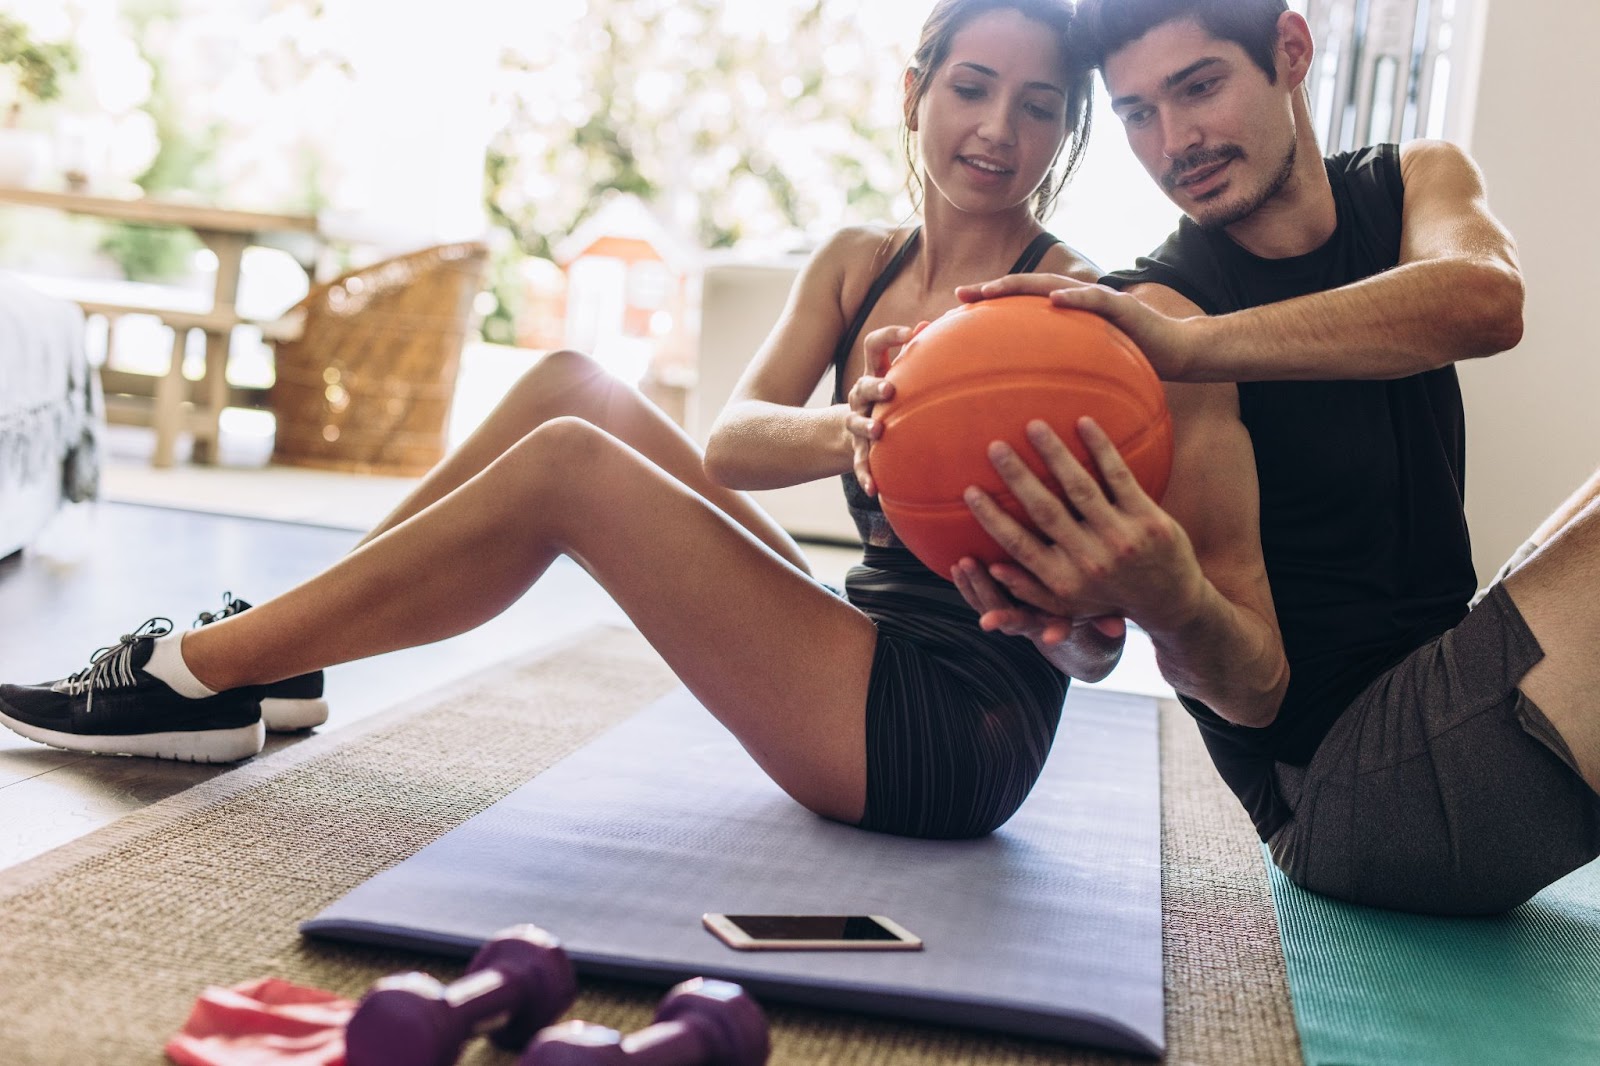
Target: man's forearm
<point>1405,321</point>
<point>1227,657</point>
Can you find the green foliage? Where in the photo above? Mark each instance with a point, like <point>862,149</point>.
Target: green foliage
<point>39,67</point>
<point>160,253</point>
<point>731,132</point>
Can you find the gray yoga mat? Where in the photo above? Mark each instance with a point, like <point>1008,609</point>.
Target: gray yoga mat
<point>1050,927</point>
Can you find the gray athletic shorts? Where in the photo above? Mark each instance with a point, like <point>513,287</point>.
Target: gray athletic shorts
<point>1442,789</point>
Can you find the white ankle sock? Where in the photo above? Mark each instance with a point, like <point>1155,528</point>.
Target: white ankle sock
<point>166,662</point>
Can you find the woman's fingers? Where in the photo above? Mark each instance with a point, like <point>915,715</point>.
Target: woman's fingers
<point>881,345</point>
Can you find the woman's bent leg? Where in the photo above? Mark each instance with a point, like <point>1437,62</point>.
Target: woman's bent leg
<point>567,383</point>
<point>778,659</point>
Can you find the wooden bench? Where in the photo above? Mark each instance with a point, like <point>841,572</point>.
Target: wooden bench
<point>168,402</point>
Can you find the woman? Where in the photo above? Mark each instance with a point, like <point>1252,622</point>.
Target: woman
<point>889,707</point>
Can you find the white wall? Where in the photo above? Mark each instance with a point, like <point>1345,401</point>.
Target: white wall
<point>1533,414</point>
<point>739,303</point>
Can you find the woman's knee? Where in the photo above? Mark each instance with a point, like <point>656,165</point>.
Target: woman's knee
<point>565,380</point>
<point>565,446</point>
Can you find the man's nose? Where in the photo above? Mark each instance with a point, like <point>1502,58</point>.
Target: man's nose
<point>1178,136</point>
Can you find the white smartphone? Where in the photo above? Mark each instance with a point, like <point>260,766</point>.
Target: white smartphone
<point>811,932</point>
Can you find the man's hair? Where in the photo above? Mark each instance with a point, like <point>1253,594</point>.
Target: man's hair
<point>1104,27</point>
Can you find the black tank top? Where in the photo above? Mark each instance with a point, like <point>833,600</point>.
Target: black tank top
<point>1362,523</point>
<point>883,549</point>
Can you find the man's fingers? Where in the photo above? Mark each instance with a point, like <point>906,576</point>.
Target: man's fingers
<point>1101,299</point>
<point>1024,587</point>
<point>1130,495</point>
<point>1014,538</point>
<point>1044,508</point>
<point>1078,486</point>
<point>986,595</point>
<point>1016,285</point>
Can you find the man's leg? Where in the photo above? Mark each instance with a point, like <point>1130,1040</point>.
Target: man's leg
<point>1557,591</point>
<point>1569,509</point>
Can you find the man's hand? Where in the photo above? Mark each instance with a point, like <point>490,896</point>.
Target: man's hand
<point>1174,346</point>
<point>999,612</point>
<point>1085,648</point>
<point>1097,553</point>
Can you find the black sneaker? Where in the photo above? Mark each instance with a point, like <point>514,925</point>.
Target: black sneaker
<point>112,707</point>
<point>287,706</point>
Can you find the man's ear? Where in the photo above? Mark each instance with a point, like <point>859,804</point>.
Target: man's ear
<point>906,105</point>
<point>1296,49</point>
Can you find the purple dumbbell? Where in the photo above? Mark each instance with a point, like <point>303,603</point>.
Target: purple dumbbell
<point>699,1023</point>
<point>516,983</point>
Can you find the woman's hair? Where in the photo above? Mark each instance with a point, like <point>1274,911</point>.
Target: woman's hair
<point>950,17</point>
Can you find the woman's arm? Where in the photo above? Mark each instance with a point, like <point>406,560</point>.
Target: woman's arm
<point>765,436</point>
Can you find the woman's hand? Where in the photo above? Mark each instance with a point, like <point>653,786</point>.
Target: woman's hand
<point>871,389</point>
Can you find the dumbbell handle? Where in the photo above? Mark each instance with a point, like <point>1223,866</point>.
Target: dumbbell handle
<point>701,1023</point>
<point>486,997</point>
<point>583,1044</point>
<point>685,1044</point>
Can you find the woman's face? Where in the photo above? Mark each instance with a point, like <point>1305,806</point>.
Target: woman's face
<point>994,116</point>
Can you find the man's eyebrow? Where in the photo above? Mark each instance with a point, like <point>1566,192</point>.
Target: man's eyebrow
<point>1171,81</point>
<point>981,69</point>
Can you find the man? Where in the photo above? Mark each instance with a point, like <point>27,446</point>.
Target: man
<point>1422,757</point>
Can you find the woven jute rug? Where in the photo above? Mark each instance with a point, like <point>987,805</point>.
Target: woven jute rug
<point>105,942</point>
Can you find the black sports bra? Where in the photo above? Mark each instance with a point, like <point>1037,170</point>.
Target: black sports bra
<point>884,549</point>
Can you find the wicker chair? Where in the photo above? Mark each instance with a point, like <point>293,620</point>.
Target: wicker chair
<point>367,385</point>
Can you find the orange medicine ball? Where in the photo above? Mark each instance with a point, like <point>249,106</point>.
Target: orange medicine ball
<point>981,373</point>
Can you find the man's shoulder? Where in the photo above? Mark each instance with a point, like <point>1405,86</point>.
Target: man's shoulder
<point>1371,171</point>
<point>1187,262</point>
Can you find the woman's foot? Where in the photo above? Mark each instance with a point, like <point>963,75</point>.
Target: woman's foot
<point>288,706</point>
<point>118,705</point>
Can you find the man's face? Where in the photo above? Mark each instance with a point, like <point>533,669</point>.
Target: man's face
<point>1205,122</point>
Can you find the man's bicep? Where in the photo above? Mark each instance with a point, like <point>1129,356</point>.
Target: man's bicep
<point>1213,492</point>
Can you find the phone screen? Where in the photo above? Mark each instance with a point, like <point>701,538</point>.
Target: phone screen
<point>801,927</point>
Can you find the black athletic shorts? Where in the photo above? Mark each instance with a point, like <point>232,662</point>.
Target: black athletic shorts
<point>959,721</point>
<point>1442,789</point>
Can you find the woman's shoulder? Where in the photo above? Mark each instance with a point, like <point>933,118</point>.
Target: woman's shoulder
<point>1062,258</point>
<point>854,255</point>
<point>863,248</point>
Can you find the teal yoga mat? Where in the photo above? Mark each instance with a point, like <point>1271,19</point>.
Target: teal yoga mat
<point>1380,987</point>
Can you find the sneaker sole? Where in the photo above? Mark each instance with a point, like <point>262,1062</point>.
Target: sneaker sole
<point>210,746</point>
<point>293,716</point>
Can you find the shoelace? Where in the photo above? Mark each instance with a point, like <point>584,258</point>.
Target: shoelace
<point>230,606</point>
<point>112,666</point>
